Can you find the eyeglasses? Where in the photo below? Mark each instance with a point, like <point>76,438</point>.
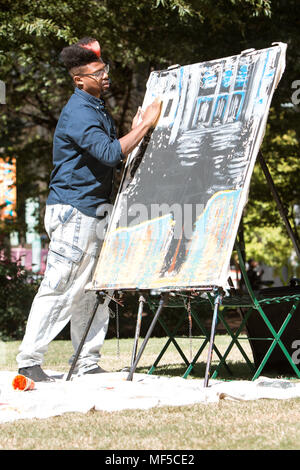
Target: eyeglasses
<point>97,74</point>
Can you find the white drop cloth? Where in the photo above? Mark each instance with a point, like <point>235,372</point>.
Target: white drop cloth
<point>112,392</point>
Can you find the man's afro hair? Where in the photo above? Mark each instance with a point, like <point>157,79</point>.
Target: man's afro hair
<point>77,55</point>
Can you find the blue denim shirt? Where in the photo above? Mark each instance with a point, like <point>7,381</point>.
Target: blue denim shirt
<point>85,150</point>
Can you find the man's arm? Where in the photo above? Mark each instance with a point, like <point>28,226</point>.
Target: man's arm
<point>84,130</point>
<point>149,119</point>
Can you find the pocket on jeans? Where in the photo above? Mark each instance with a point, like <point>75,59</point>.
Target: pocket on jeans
<point>62,259</point>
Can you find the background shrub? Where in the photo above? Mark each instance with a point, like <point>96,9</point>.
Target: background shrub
<point>17,290</point>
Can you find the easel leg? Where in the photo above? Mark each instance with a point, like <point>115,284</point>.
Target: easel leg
<point>162,303</point>
<point>84,337</point>
<point>218,299</point>
<point>137,329</point>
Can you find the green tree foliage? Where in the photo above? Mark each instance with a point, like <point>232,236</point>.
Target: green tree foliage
<point>136,37</point>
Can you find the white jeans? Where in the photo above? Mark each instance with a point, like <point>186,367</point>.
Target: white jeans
<point>73,252</point>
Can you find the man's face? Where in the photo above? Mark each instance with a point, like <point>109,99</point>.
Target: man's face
<point>93,78</point>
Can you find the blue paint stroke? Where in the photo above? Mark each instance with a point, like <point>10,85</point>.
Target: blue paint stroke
<point>242,76</point>
<point>209,79</point>
<point>262,76</point>
<point>226,79</point>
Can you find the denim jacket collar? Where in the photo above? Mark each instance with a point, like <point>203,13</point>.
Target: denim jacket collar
<point>92,99</point>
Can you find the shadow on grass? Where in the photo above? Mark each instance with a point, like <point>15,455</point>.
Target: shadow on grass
<point>238,371</point>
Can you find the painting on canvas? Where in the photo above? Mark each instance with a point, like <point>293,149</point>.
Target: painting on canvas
<point>179,206</point>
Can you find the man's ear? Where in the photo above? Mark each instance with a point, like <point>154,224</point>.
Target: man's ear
<point>78,81</point>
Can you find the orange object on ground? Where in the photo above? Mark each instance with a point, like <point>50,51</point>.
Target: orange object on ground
<point>21,382</point>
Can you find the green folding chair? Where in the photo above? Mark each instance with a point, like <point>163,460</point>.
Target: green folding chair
<point>260,304</point>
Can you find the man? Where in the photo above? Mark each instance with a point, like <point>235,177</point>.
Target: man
<point>85,151</point>
<point>255,274</point>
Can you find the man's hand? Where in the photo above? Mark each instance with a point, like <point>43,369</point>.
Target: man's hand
<point>150,116</point>
<point>152,112</point>
<point>142,123</point>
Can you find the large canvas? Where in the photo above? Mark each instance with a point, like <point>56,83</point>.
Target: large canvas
<point>179,206</point>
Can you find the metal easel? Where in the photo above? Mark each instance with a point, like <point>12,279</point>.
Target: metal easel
<point>162,303</point>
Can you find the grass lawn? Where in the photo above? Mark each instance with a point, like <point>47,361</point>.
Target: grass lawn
<point>253,425</point>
